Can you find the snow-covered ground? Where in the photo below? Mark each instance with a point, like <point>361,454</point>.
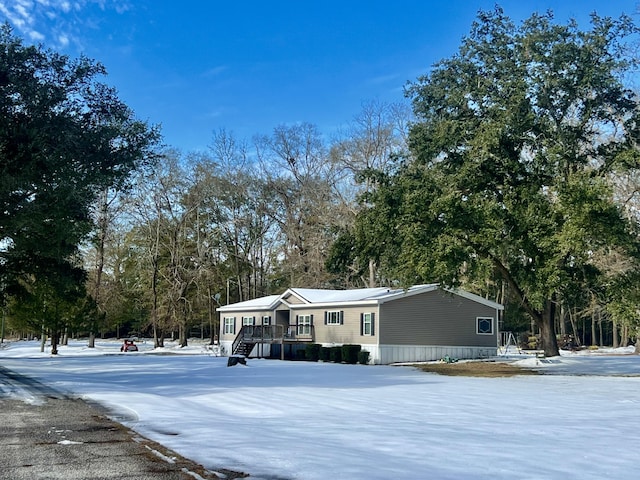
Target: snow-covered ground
<point>299,420</point>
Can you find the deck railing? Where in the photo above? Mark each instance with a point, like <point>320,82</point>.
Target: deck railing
<point>273,334</point>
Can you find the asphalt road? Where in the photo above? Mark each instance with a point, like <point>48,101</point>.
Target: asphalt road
<point>53,436</point>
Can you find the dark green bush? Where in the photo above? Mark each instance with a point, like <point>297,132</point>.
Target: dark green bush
<point>325,354</point>
<point>300,354</point>
<point>312,352</point>
<point>335,354</point>
<point>363,357</point>
<point>350,353</point>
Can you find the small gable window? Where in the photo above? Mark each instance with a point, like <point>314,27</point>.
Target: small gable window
<point>484,325</point>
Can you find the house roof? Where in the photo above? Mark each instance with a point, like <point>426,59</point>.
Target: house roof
<point>318,297</point>
<point>262,303</point>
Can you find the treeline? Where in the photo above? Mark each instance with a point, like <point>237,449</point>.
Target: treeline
<point>239,221</point>
<point>245,218</point>
<point>514,175</point>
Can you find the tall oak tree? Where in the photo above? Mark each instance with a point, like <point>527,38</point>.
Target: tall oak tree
<point>516,139</point>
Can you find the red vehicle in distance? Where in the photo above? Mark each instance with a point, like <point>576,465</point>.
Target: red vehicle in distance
<point>129,346</point>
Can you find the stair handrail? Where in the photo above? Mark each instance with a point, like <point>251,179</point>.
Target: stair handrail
<point>257,334</point>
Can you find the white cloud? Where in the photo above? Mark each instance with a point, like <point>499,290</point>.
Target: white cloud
<point>215,71</point>
<point>63,40</point>
<point>35,36</point>
<point>57,22</point>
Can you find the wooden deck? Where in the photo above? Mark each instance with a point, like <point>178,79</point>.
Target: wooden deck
<point>252,335</point>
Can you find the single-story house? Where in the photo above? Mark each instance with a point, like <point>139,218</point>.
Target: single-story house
<point>421,323</point>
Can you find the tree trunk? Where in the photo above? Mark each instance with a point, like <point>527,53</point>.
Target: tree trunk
<point>548,331</point>
<point>563,315</point>
<point>182,332</point>
<point>593,330</point>
<point>158,337</point>
<point>600,338</point>
<point>43,338</point>
<point>54,342</point>
<point>574,328</point>
<point>102,223</point>
<point>372,273</point>
<point>614,332</point>
<point>624,340</point>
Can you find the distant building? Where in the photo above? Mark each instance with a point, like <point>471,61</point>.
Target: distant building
<point>421,323</point>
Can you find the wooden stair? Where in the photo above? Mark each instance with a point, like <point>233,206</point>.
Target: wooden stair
<point>243,348</point>
<point>251,335</point>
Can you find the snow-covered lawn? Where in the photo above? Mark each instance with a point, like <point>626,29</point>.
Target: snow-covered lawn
<point>299,420</point>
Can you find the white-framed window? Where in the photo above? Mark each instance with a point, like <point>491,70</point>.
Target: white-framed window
<point>304,324</point>
<point>484,325</point>
<point>367,324</point>
<point>229,325</point>
<point>248,321</point>
<point>335,317</point>
<point>266,320</point>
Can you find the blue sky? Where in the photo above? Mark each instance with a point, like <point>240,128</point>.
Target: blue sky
<point>248,66</point>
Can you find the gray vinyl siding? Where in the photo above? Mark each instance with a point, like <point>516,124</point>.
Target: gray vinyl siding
<point>434,318</point>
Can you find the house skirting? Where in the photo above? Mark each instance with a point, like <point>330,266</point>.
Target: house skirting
<point>386,354</point>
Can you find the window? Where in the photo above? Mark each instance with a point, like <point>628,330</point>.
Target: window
<point>366,325</point>
<point>484,325</point>
<point>304,324</point>
<point>334,318</point>
<point>266,320</point>
<point>230,325</point>
<point>248,321</point>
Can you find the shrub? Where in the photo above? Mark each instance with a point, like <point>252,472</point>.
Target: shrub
<point>312,352</point>
<point>335,354</point>
<point>350,353</point>
<point>299,354</point>
<point>325,354</point>
<point>363,357</point>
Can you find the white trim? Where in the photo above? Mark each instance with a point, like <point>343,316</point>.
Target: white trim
<point>303,324</point>
<point>475,298</point>
<point>271,302</point>
<point>491,321</point>
<point>295,294</point>
<point>232,323</point>
<point>415,290</point>
<point>364,315</point>
<point>329,322</point>
<point>333,305</point>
